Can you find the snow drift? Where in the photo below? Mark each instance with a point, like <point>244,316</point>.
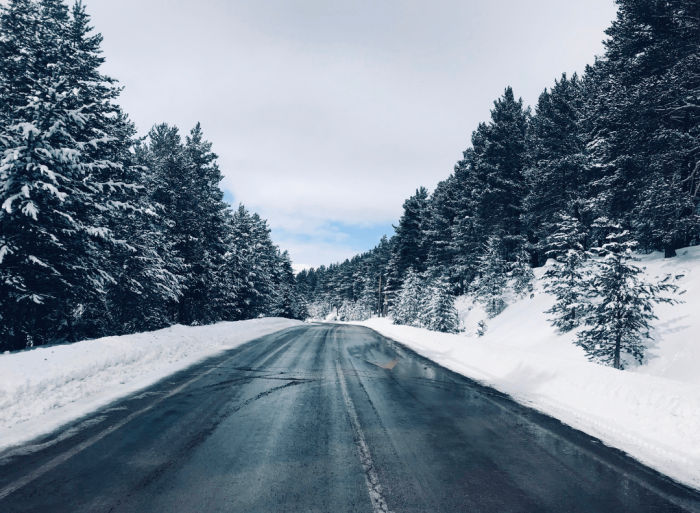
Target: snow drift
<point>43,388</point>
<point>651,411</point>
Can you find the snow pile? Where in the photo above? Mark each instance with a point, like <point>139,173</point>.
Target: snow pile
<point>43,388</point>
<point>651,411</point>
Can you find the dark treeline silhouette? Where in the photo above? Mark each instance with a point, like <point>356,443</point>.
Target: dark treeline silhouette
<point>100,232</point>
<point>615,152</point>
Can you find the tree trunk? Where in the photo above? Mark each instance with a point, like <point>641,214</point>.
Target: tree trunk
<point>669,252</point>
<point>618,340</point>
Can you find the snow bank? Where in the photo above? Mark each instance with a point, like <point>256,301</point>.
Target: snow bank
<point>43,388</point>
<point>651,411</point>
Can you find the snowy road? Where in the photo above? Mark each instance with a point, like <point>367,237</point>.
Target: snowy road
<point>325,418</point>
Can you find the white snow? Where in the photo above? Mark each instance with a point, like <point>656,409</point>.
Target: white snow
<point>44,388</point>
<point>651,411</point>
<point>4,251</point>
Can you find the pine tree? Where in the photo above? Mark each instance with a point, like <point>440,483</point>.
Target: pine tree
<point>366,301</point>
<point>642,120</point>
<point>441,314</point>
<point>493,277</point>
<point>53,225</point>
<point>565,278</point>
<point>409,304</point>
<point>378,263</point>
<point>226,273</point>
<point>467,240</point>
<point>441,216</point>
<point>123,202</point>
<point>520,274</point>
<point>622,302</point>
<point>497,164</point>
<point>344,311</point>
<point>148,282</point>
<point>243,240</point>
<point>409,248</point>
<point>665,217</point>
<point>556,160</point>
<point>489,188</point>
<point>205,298</point>
<point>284,302</point>
<point>148,272</point>
<point>259,259</point>
<point>169,194</point>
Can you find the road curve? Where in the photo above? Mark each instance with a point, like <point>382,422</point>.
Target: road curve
<point>326,418</point>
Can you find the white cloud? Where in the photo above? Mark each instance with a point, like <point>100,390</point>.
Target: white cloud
<point>327,112</point>
<point>313,254</point>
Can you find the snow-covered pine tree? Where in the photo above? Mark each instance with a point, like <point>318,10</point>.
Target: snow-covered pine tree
<point>555,160</point>
<point>169,189</point>
<point>285,301</point>
<point>345,310</point>
<point>467,241</point>
<point>53,223</point>
<point>267,260</point>
<point>360,311</point>
<point>666,216</point>
<point>441,314</point>
<point>409,246</point>
<point>489,187</point>
<point>147,283</point>
<point>366,300</point>
<point>244,238</point>
<point>622,301</point>
<point>424,300</point>
<point>408,308</point>
<point>137,254</point>
<point>496,164</point>
<point>260,262</point>
<point>565,278</point>
<point>226,273</point>
<point>520,274</point>
<point>493,269</point>
<point>377,263</point>
<point>442,209</point>
<point>390,292</point>
<point>466,235</point>
<point>184,186</point>
<point>205,297</point>
<point>642,122</point>
<point>148,271</point>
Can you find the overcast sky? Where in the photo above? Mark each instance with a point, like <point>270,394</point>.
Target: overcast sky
<point>327,114</point>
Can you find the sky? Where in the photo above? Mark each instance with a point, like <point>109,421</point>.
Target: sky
<point>327,114</point>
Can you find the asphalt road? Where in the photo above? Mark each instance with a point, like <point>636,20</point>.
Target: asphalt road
<point>326,418</point>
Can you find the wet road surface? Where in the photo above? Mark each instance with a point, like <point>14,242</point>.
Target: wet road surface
<point>326,418</point>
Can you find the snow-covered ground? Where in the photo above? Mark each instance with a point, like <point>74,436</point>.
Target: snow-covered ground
<point>43,388</point>
<point>650,411</point>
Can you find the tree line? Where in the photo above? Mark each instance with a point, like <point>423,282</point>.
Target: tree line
<point>608,162</point>
<point>102,232</point>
